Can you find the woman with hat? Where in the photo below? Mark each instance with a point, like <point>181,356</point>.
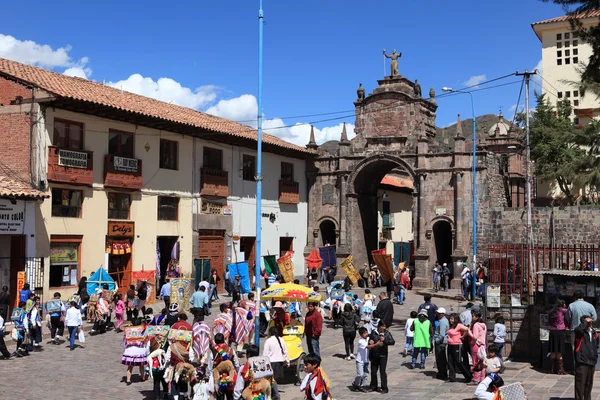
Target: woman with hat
<point>173,315</point>
<point>280,318</point>
<point>423,331</point>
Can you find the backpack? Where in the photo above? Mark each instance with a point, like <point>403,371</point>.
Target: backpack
<point>17,315</point>
<point>24,295</point>
<point>54,306</point>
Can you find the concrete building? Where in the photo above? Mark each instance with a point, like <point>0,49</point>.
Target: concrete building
<point>395,215</point>
<point>128,177</point>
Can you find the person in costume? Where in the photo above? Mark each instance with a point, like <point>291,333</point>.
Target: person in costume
<point>173,315</point>
<point>201,337</point>
<point>315,384</point>
<point>259,390</point>
<point>223,322</point>
<point>135,352</point>
<point>179,357</point>
<point>488,388</point>
<point>280,318</point>
<point>157,364</point>
<point>102,314</point>
<point>242,324</point>
<point>225,365</point>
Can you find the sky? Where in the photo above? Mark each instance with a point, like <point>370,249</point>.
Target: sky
<point>204,54</point>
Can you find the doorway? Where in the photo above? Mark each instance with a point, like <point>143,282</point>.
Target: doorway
<point>165,246</point>
<point>248,247</point>
<point>211,245</point>
<point>442,234</point>
<point>119,268</point>
<point>327,229</point>
<point>285,244</point>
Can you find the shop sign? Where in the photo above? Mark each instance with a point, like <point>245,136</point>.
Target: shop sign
<point>63,253</point>
<point>20,285</point>
<point>120,228</point>
<point>12,217</point>
<point>227,210</point>
<point>125,164</point>
<point>73,159</point>
<point>440,211</point>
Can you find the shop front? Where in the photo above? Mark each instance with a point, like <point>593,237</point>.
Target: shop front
<point>119,252</point>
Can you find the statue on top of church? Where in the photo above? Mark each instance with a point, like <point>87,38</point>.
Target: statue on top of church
<point>360,92</point>
<point>418,92</point>
<point>394,66</point>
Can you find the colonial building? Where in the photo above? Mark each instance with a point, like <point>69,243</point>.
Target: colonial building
<point>134,183</point>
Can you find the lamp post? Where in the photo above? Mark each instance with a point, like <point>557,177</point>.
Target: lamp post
<point>474,175</point>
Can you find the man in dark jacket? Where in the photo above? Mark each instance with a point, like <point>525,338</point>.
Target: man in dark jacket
<point>430,308</point>
<point>586,356</point>
<point>384,310</point>
<point>379,340</point>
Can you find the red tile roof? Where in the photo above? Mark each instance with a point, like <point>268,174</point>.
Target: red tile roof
<point>15,188</point>
<point>564,18</point>
<point>98,93</point>
<point>397,181</point>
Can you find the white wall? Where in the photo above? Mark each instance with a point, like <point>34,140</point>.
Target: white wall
<point>401,208</point>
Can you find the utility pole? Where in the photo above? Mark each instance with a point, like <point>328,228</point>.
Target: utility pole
<point>530,267</point>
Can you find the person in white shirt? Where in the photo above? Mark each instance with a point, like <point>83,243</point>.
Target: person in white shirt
<point>73,322</point>
<point>34,321</point>
<point>101,314</point>
<point>488,388</point>
<point>408,334</point>
<point>362,361</point>
<point>3,348</point>
<point>277,352</point>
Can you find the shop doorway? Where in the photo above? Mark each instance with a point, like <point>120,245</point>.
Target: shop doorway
<point>12,261</point>
<point>119,268</point>
<point>165,246</point>
<point>211,245</point>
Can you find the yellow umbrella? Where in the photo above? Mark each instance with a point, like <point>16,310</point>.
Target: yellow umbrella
<point>290,292</point>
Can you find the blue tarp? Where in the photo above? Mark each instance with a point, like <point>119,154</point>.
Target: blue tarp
<point>98,280</point>
<point>241,268</point>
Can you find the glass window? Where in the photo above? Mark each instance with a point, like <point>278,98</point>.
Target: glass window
<point>576,93</point>
<point>168,154</point>
<point>567,53</point>
<point>576,120</point>
<point>559,94</point>
<point>558,61</point>
<point>248,167</point>
<point>118,205</point>
<point>559,36</point>
<point>287,171</point>
<point>575,43</point>
<point>575,52</point>
<point>559,53</point>
<point>567,35</point>
<point>64,264</point>
<point>559,45</point>
<point>575,60</point>
<point>576,103</point>
<point>120,144</point>
<point>567,94</point>
<point>567,61</point>
<point>574,35</point>
<point>66,203</point>
<point>168,208</point>
<point>212,158</point>
<point>68,134</point>
<point>567,43</point>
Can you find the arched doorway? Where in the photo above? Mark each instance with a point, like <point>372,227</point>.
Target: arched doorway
<point>442,235</point>
<point>327,228</point>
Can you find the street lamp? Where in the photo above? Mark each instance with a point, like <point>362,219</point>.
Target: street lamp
<point>474,174</point>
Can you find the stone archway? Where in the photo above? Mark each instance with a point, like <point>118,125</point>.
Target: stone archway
<point>327,230</point>
<point>442,236</point>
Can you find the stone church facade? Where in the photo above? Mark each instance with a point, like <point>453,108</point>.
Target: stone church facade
<point>396,134</point>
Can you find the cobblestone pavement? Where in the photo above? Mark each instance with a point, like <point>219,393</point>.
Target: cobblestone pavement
<point>94,371</point>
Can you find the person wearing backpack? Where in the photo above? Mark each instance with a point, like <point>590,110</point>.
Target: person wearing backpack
<point>56,309</point>
<point>34,321</point>
<point>3,350</point>
<point>18,318</point>
<point>25,293</point>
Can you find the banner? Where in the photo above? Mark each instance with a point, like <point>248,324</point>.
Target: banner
<point>150,277</point>
<point>241,269</point>
<point>181,289</point>
<point>20,284</point>
<point>328,256</point>
<point>286,267</point>
<point>348,266</point>
<point>384,263</point>
<point>271,266</point>
<point>314,260</point>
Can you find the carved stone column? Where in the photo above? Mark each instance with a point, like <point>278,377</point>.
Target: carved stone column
<point>421,255</point>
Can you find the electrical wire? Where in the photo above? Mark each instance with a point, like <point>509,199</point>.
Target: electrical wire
<point>518,102</point>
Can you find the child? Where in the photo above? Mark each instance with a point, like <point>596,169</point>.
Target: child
<point>119,312</point>
<point>499,334</point>
<point>159,320</point>
<point>148,315</point>
<point>362,362</point>
<point>135,351</point>
<point>492,363</point>
<point>436,278</point>
<point>368,305</point>
<point>408,333</point>
<point>315,384</point>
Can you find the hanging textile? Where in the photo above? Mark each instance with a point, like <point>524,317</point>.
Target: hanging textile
<point>328,255</point>
<point>286,267</point>
<point>271,266</point>
<point>384,264</point>
<point>118,247</point>
<point>175,251</point>
<point>314,260</point>
<point>157,261</point>
<point>149,277</point>
<point>241,269</point>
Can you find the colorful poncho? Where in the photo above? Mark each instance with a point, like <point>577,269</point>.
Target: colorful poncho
<point>243,326</point>
<point>201,338</point>
<point>222,324</point>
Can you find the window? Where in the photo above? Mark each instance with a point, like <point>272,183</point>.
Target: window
<point>576,103</point>
<point>66,203</point>
<point>575,52</point>
<point>567,43</point>
<point>64,264</point>
<point>575,43</point>
<point>567,61</point>
<point>558,61</point>
<point>576,120</point>
<point>575,60</point>
<point>559,95</point>
<point>576,93</point>
<point>248,167</point>
<point>287,172</point>
<point>559,53</point>
<point>212,158</point>
<point>118,205</point>
<point>567,94</point>
<point>567,35</point>
<point>120,144</point>
<point>567,53</point>
<point>559,45</point>
<point>168,208</point>
<point>168,154</point>
<point>559,36</point>
<point>68,134</point>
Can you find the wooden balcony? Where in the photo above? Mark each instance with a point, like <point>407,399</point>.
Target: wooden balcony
<point>75,167</point>
<point>214,182</point>
<point>289,192</point>
<point>122,172</point>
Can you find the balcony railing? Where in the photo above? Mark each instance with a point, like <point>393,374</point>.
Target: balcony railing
<point>70,166</point>
<point>214,182</point>
<point>388,222</point>
<point>122,172</point>
<point>289,192</point>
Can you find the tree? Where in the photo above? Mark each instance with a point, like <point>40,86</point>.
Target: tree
<point>556,155</point>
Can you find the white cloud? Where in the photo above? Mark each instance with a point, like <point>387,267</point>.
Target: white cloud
<point>512,108</point>
<point>168,90</point>
<point>244,109</point>
<point>475,80</point>
<point>538,78</point>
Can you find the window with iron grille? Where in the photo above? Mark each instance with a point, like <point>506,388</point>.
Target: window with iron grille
<point>66,203</point>
<point>168,208</point>
<point>168,154</point>
<point>248,167</point>
<point>118,205</point>
<point>287,172</point>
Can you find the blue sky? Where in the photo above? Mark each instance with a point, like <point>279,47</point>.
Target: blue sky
<point>316,52</point>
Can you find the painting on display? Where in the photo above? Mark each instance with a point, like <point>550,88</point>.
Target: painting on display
<point>181,291</point>
<point>150,277</point>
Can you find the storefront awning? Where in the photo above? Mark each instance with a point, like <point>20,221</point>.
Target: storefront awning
<point>118,247</point>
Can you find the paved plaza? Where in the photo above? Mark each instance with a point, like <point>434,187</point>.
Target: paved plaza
<point>95,372</point>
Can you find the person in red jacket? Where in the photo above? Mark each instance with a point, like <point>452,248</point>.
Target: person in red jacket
<point>313,326</point>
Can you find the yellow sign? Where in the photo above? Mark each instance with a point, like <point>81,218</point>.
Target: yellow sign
<point>348,266</point>
<point>20,284</point>
<point>286,267</point>
<point>63,253</point>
